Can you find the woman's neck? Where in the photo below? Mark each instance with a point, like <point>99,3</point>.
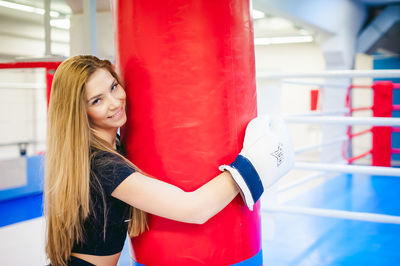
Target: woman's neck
<point>109,136</point>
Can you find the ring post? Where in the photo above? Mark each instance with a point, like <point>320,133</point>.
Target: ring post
<point>381,136</point>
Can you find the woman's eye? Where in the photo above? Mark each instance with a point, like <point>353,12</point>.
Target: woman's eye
<point>114,87</point>
<point>96,101</point>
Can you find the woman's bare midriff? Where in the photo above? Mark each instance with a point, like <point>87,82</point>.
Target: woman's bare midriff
<point>110,260</point>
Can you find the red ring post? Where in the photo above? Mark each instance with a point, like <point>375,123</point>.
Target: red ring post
<point>381,136</point>
<point>189,74</point>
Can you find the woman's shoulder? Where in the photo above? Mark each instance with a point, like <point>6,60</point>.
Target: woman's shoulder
<point>104,157</point>
<point>109,169</point>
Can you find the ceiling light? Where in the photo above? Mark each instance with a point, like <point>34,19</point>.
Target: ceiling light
<point>258,14</point>
<point>63,23</point>
<point>26,8</point>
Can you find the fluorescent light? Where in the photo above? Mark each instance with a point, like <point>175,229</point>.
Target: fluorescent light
<point>258,14</point>
<point>63,23</point>
<point>29,9</point>
<point>283,40</point>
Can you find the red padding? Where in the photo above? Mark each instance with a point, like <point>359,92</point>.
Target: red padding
<point>49,81</point>
<point>314,100</point>
<point>381,136</point>
<point>189,74</point>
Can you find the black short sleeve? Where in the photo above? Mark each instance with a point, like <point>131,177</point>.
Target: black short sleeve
<point>104,230</point>
<point>110,170</point>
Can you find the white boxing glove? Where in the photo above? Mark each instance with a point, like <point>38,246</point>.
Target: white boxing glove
<point>267,155</point>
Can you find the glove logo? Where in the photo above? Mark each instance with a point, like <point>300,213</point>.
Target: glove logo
<point>278,154</point>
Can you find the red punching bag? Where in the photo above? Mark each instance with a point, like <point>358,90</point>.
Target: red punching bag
<point>189,74</point>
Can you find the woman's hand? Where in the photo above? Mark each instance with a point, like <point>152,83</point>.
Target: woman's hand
<point>267,155</point>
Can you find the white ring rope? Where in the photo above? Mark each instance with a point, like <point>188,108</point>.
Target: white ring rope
<point>322,113</point>
<point>374,121</point>
<point>324,144</point>
<point>302,181</point>
<point>15,85</point>
<point>317,118</point>
<point>16,143</point>
<point>388,73</point>
<point>353,169</point>
<point>315,84</point>
<point>361,216</point>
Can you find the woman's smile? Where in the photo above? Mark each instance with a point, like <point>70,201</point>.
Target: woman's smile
<point>118,114</point>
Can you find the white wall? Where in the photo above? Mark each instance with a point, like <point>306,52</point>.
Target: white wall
<point>22,110</point>
<point>105,37</point>
<point>362,98</point>
<point>294,99</point>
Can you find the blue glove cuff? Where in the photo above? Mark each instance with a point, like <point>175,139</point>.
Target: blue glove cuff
<point>249,175</point>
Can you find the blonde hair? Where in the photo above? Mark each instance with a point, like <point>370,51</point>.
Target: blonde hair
<point>67,168</point>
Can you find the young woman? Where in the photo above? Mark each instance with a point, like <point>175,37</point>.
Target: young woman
<point>93,195</point>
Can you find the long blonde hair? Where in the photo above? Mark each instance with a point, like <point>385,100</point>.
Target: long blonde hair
<point>67,168</point>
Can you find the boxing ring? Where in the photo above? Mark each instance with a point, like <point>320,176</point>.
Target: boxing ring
<point>350,210</point>
<point>345,173</point>
<point>338,116</point>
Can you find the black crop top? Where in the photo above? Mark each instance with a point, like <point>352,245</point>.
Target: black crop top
<point>101,240</point>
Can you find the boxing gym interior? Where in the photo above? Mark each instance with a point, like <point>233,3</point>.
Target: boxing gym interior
<point>330,69</point>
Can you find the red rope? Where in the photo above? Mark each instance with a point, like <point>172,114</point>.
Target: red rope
<point>355,86</point>
<point>361,109</point>
<point>352,159</point>
<point>360,133</point>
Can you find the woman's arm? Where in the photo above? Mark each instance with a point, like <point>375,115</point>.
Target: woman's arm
<point>168,201</point>
<point>266,156</point>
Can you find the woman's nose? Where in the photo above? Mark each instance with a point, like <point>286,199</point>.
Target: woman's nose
<point>114,102</point>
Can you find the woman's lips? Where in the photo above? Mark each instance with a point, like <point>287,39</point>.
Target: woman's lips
<point>118,114</point>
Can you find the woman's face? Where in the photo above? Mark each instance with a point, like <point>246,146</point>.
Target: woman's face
<point>105,101</point>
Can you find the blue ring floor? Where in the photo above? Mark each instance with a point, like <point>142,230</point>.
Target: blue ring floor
<point>298,239</point>
<point>311,240</point>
